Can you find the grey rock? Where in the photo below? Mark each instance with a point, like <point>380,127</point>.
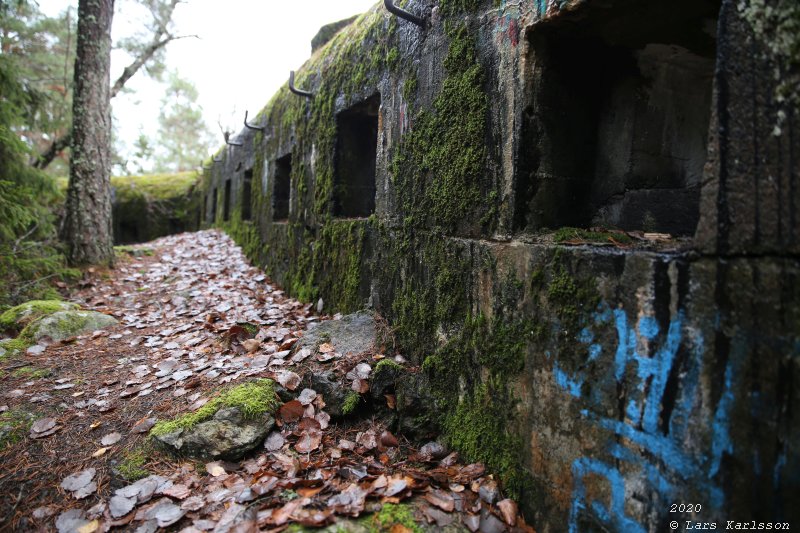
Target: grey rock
<point>356,333</point>
<point>226,436</point>
<point>333,390</point>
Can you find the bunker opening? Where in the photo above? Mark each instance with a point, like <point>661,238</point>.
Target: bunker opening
<point>282,188</point>
<point>214,206</point>
<point>127,232</point>
<point>226,201</point>
<point>615,128</point>
<point>356,151</point>
<point>247,195</point>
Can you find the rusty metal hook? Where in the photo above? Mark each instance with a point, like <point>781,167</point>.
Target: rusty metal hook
<point>294,89</point>
<point>250,127</point>
<point>403,14</point>
<point>229,142</point>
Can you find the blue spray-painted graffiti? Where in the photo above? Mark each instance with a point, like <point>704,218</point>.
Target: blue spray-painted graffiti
<point>644,359</point>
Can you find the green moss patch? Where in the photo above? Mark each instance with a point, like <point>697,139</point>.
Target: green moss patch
<point>351,402</point>
<point>135,251</point>
<point>253,400</point>
<point>578,235</point>
<point>571,299</point>
<point>387,365</point>
<point>392,515</point>
<point>10,347</point>
<point>28,372</point>
<point>440,165</point>
<point>16,318</point>
<point>132,465</point>
<point>478,428</point>
<point>14,425</point>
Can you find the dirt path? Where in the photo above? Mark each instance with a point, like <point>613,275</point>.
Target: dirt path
<point>182,302</point>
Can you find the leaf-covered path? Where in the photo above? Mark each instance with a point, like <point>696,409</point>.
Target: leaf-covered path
<point>196,320</point>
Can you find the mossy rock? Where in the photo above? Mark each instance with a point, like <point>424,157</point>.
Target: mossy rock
<point>226,436</point>
<point>16,318</point>
<point>383,378</point>
<point>65,324</point>
<point>10,347</point>
<point>227,427</point>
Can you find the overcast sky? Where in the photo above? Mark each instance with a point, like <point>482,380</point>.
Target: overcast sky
<point>244,54</point>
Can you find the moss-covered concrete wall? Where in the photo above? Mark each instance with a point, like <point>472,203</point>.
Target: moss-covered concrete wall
<point>604,380</point>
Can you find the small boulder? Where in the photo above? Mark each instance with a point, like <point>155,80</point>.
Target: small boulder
<point>65,324</point>
<point>351,334</point>
<point>383,378</point>
<point>227,436</point>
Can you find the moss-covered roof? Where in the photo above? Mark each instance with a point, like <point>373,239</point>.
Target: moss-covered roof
<point>155,186</point>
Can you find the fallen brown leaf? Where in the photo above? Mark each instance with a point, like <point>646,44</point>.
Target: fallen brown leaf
<point>291,411</point>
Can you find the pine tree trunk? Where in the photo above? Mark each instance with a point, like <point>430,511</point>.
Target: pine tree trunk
<point>87,225</point>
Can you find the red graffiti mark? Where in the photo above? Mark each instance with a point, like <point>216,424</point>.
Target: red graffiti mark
<point>513,32</point>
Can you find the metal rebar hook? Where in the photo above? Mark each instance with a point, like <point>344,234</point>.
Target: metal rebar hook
<point>294,89</point>
<point>229,142</point>
<point>403,14</point>
<point>250,127</point>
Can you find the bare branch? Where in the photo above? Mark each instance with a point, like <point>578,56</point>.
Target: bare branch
<point>161,37</point>
<point>58,146</point>
<point>140,61</point>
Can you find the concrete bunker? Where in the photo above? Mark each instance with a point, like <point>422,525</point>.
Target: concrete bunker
<point>354,162</point>
<point>617,113</point>
<point>282,188</point>
<point>247,195</point>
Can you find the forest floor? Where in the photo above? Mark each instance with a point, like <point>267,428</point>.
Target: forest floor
<point>82,458</point>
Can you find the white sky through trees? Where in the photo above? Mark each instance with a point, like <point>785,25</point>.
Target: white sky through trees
<point>245,52</point>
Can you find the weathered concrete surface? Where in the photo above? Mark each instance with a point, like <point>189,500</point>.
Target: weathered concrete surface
<point>602,384</point>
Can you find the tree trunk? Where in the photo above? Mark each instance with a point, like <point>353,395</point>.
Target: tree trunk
<point>87,226</point>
